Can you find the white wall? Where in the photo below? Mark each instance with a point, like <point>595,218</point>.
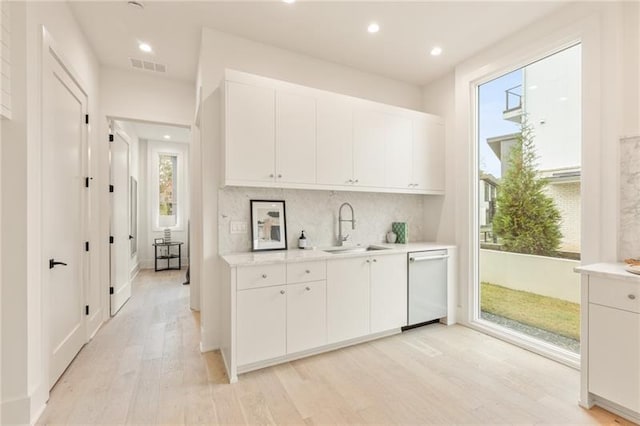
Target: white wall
<point>602,28</point>
<point>25,382</point>
<point>220,51</point>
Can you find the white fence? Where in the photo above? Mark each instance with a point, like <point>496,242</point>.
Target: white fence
<point>547,276</point>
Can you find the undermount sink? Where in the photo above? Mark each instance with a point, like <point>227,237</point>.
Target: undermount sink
<point>353,249</point>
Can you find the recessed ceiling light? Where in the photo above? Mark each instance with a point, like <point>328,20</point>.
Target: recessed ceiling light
<point>436,51</point>
<point>289,1</point>
<point>167,136</point>
<point>145,47</point>
<point>373,27</point>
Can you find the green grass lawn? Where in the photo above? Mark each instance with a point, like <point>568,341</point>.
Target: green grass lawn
<point>547,313</point>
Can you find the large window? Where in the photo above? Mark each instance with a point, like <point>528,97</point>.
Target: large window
<point>167,190</point>
<point>529,166</point>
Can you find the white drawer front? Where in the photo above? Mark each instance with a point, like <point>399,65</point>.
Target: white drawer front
<point>615,293</point>
<point>301,272</point>
<point>261,276</point>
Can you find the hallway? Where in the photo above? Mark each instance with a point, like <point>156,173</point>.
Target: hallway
<point>144,366</point>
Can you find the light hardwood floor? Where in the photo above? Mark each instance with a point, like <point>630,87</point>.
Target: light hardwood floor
<point>144,367</point>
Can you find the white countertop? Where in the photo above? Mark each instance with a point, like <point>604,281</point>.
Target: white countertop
<point>608,270</point>
<point>297,255</point>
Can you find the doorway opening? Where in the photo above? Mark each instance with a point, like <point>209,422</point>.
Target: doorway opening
<point>528,207</point>
<point>150,204</point>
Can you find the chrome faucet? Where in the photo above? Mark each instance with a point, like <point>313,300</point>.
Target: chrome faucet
<point>343,238</point>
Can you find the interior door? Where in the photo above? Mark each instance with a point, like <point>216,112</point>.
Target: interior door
<point>120,247</point>
<point>63,212</point>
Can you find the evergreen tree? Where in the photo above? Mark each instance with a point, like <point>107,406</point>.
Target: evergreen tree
<point>526,219</point>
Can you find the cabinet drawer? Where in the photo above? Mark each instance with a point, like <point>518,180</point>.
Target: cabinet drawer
<point>261,276</point>
<point>615,293</point>
<point>301,272</point>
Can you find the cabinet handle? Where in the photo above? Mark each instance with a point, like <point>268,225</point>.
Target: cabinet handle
<point>632,296</point>
<point>307,271</point>
<point>264,276</point>
<point>271,175</point>
<point>368,261</point>
<point>375,260</point>
<point>279,175</point>
<point>356,181</point>
<point>281,291</point>
<point>308,288</point>
<point>350,181</point>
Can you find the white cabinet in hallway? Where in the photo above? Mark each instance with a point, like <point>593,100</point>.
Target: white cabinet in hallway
<point>335,141</point>
<point>306,316</point>
<point>295,138</point>
<point>347,298</point>
<point>610,339</point>
<point>250,133</point>
<point>388,292</point>
<point>261,324</point>
<point>282,135</point>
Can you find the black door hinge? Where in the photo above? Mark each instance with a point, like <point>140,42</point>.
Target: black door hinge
<point>86,119</point>
<point>86,181</point>
<point>110,239</point>
<point>86,246</point>
<point>110,138</point>
<point>110,290</point>
<point>86,310</point>
<point>110,188</point>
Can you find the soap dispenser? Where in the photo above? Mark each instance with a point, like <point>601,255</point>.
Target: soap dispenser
<point>302,241</point>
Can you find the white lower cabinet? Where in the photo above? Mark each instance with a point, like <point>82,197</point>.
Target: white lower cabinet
<point>614,355</point>
<point>306,316</point>
<point>261,324</point>
<point>388,292</point>
<point>347,298</point>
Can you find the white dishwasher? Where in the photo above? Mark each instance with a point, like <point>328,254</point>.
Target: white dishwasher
<point>427,286</point>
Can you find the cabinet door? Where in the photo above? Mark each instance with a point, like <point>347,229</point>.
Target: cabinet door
<point>335,141</point>
<point>428,154</point>
<point>614,355</point>
<point>306,316</point>
<point>347,299</point>
<point>261,324</point>
<point>399,148</point>
<point>369,148</point>
<point>295,138</point>
<point>250,133</point>
<point>388,292</point>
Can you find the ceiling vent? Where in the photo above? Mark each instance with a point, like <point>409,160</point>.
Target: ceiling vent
<point>140,64</point>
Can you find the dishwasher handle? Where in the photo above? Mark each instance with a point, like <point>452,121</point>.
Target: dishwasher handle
<point>421,258</point>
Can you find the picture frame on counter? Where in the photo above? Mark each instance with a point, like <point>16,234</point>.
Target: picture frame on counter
<point>158,241</point>
<point>268,225</point>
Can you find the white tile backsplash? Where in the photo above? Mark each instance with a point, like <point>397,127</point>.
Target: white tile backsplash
<point>629,239</point>
<point>317,213</point>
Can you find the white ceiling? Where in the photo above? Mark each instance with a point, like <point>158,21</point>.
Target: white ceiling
<point>157,132</point>
<point>333,31</point>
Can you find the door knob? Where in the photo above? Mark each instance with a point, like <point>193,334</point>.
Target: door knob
<point>53,263</point>
<point>131,237</point>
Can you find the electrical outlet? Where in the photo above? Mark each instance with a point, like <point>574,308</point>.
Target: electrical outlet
<point>238,227</point>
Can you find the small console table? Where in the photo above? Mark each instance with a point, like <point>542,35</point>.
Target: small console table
<point>168,255</point>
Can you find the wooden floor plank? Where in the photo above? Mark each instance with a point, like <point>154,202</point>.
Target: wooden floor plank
<point>144,367</point>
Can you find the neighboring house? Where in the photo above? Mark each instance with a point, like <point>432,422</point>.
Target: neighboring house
<point>550,100</point>
<point>488,192</point>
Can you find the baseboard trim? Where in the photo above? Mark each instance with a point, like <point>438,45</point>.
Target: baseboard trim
<point>616,409</point>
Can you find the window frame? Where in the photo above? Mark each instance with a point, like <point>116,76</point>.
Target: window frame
<point>154,197</point>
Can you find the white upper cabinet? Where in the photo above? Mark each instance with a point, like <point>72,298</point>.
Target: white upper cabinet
<point>428,154</point>
<point>250,133</point>
<point>369,138</point>
<point>335,141</point>
<point>295,138</point>
<point>398,151</point>
<point>282,135</point>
